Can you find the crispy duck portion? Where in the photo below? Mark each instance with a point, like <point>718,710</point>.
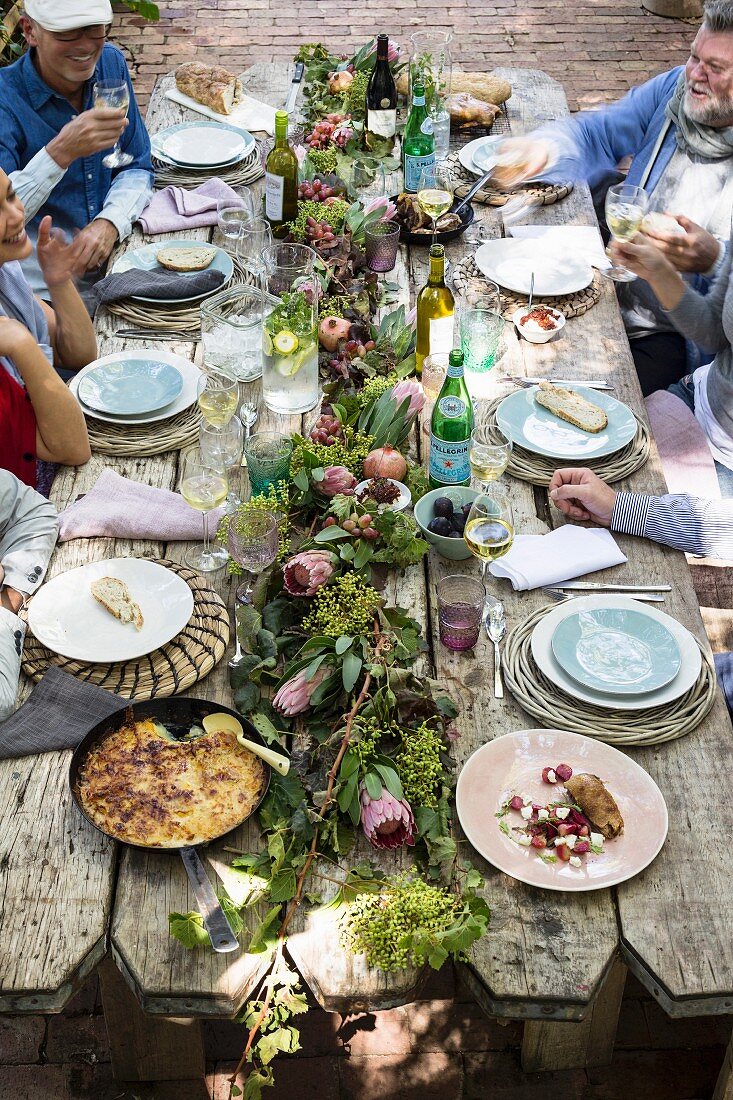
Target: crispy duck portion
<point>596,803</point>
<point>416,220</point>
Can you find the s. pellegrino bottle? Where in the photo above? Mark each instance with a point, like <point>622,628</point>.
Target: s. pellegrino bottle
<point>435,309</point>
<point>281,180</point>
<point>418,143</point>
<point>450,429</point>
<point>381,101</point>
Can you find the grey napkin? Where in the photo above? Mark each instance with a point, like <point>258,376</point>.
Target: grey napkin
<point>162,285</point>
<point>59,712</point>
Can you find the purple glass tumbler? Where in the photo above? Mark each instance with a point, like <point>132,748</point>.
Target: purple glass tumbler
<point>382,242</point>
<point>460,607</point>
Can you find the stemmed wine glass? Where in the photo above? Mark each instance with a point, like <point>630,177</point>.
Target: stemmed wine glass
<point>253,543</point>
<point>114,94</point>
<point>218,397</point>
<point>489,531</point>
<point>626,205</point>
<point>204,486</point>
<point>435,192</point>
<point>488,458</point>
<point>222,446</point>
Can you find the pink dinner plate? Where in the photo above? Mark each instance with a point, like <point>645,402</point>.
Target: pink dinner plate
<point>512,764</point>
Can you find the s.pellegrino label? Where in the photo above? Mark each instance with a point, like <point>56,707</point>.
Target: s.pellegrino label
<point>414,168</point>
<point>449,463</point>
<point>450,429</point>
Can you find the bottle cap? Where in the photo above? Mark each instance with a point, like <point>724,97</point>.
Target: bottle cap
<point>281,119</point>
<point>455,358</point>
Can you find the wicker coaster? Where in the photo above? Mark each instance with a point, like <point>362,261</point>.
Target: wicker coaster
<point>538,469</point>
<point>537,194</point>
<point>143,440</point>
<point>471,285</point>
<point>554,709</point>
<point>246,171</point>
<point>186,659</point>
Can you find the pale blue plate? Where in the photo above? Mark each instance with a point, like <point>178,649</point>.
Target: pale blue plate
<point>132,386</point>
<point>202,145</point>
<point>145,259</point>
<point>535,428</point>
<point>616,651</point>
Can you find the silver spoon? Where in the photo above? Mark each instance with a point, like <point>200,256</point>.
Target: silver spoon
<point>531,291</point>
<point>248,415</point>
<point>495,624</point>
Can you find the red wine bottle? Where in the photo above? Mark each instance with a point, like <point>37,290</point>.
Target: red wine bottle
<point>381,101</point>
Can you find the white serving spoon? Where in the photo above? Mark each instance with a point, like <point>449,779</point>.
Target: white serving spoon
<point>222,721</point>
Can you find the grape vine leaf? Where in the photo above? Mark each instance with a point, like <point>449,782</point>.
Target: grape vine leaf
<point>265,935</point>
<point>282,885</point>
<point>188,928</point>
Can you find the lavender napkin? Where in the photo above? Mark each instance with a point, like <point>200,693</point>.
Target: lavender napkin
<point>119,508</point>
<point>174,208</point>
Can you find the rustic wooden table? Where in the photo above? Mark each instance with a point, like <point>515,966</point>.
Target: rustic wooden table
<point>72,902</point>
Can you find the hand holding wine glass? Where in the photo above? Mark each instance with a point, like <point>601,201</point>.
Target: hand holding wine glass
<point>114,94</point>
<point>204,487</point>
<point>626,205</point>
<point>435,192</point>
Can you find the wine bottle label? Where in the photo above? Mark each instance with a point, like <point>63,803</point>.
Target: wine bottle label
<point>414,168</point>
<point>449,463</point>
<point>441,335</point>
<point>382,123</point>
<point>274,194</point>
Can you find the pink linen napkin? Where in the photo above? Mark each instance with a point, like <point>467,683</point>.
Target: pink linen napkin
<point>174,208</point>
<point>119,508</point>
<point>683,447</point>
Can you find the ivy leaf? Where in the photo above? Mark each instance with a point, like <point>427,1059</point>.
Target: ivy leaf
<point>350,670</point>
<point>282,885</point>
<point>265,935</point>
<point>189,929</point>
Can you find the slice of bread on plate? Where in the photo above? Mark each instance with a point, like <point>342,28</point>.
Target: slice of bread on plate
<point>193,257</point>
<point>114,596</point>
<point>570,406</point>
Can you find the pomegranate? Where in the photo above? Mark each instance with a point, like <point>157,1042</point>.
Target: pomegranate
<point>385,462</point>
<point>331,330</point>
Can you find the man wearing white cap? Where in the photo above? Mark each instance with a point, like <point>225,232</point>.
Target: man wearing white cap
<point>53,140</point>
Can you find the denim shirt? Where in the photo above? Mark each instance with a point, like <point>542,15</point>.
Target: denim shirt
<point>31,114</point>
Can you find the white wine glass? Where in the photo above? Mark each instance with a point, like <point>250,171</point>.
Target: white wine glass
<point>222,446</point>
<point>435,192</point>
<point>489,458</point>
<point>204,487</point>
<point>252,540</point>
<point>113,94</point>
<point>232,213</point>
<point>626,205</point>
<point>218,397</point>
<point>489,531</point>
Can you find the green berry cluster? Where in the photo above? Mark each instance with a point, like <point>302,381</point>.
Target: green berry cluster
<point>419,765</point>
<point>333,306</point>
<point>356,96</point>
<point>368,733</point>
<point>347,606</point>
<point>323,160</point>
<point>349,452</point>
<point>333,213</point>
<point>381,925</point>
<point>375,387</point>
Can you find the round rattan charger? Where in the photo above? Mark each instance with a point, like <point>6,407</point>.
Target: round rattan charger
<point>246,171</point>
<point>538,469</point>
<point>471,285</point>
<point>536,194</point>
<point>554,709</point>
<point>144,440</point>
<point>185,660</point>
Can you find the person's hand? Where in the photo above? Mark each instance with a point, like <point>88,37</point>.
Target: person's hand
<point>580,494</point>
<point>13,337</point>
<point>95,242</point>
<point>642,257</point>
<point>87,133</point>
<point>59,259</point>
<point>520,159</point>
<point>693,250</point>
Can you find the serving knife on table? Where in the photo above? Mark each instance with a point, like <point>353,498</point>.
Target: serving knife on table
<point>148,334</point>
<point>527,383</point>
<point>561,594</point>
<point>601,586</point>
<point>295,86</point>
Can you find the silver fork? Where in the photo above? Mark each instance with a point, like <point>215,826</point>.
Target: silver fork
<point>528,384</point>
<point>560,597</point>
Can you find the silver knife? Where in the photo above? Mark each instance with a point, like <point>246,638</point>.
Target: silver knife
<point>642,597</point>
<point>590,384</point>
<point>595,586</point>
<point>295,86</point>
<point>140,334</point>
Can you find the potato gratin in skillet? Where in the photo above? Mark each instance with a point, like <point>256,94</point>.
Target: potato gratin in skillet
<point>142,788</point>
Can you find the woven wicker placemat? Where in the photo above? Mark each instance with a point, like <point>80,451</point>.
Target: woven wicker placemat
<point>554,709</point>
<point>246,171</point>
<point>537,194</point>
<point>538,469</point>
<point>143,440</point>
<point>186,659</point>
<point>470,283</point>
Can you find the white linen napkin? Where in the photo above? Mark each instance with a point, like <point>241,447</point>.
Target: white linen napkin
<point>583,241</point>
<point>561,555</point>
<point>250,114</point>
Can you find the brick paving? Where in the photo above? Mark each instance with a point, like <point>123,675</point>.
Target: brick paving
<point>597,49</point>
<point>441,1047</point>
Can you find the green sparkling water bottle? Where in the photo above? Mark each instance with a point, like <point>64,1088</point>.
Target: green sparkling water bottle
<point>450,429</point>
<point>418,143</point>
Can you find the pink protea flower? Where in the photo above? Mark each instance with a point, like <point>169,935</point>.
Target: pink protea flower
<point>389,208</point>
<point>301,152</point>
<point>408,388</point>
<point>337,479</point>
<point>386,821</point>
<point>393,50</point>
<point>306,572</point>
<point>295,695</point>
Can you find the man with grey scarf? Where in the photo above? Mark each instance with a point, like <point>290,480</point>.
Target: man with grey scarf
<point>678,128</point>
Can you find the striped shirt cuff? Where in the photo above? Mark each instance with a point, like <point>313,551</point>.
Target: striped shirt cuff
<point>630,512</point>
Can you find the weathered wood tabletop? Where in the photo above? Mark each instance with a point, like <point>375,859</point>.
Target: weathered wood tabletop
<point>556,960</point>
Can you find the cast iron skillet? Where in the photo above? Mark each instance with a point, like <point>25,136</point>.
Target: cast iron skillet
<point>178,715</point>
<point>467,214</point>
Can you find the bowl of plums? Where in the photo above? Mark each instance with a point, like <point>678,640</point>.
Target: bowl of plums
<point>441,516</point>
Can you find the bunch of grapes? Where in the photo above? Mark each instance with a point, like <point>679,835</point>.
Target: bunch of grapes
<point>327,430</point>
<point>393,927</point>
<point>419,765</point>
<point>347,606</point>
<point>315,189</point>
<point>331,130</point>
<point>318,223</point>
<point>358,526</point>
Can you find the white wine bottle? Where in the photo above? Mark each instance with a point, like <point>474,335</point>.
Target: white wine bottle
<point>281,180</point>
<point>435,311</point>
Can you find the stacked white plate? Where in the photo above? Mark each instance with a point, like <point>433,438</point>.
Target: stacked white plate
<point>616,653</point>
<point>202,146</point>
<point>85,384</point>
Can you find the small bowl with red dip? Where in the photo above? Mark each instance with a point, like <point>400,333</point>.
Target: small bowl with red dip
<point>538,324</point>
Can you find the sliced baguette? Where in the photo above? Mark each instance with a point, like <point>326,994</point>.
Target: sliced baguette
<point>571,406</point>
<point>193,258</point>
<point>114,596</point>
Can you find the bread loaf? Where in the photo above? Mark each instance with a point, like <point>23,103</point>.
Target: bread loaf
<point>193,258</point>
<point>213,86</point>
<point>484,86</point>
<point>570,406</point>
<point>114,596</point>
